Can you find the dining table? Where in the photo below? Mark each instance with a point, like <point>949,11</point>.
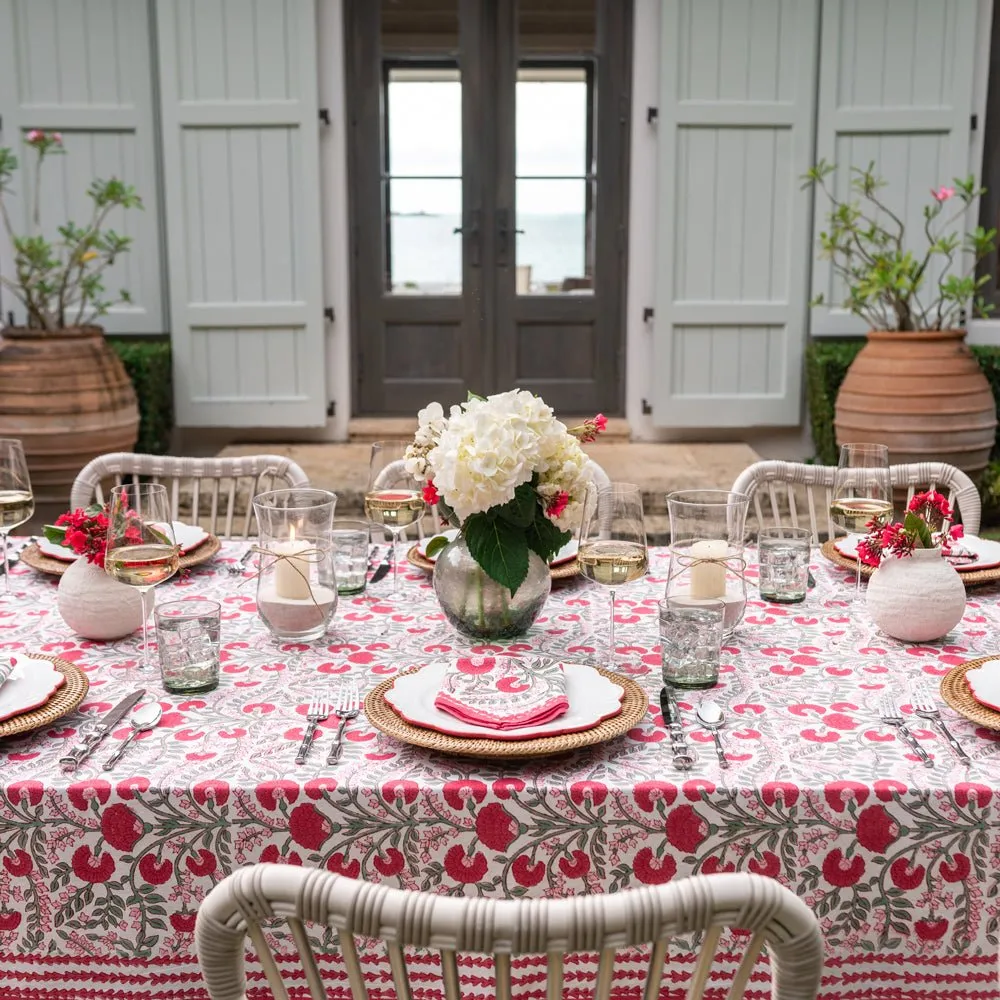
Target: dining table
<point>102,872</point>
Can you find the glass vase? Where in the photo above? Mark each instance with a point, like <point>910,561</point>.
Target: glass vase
<point>707,549</point>
<point>477,605</point>
<point>296,579</point>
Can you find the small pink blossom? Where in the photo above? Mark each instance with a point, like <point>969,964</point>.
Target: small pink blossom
<point>557,504</point>
<point>943,193</point>
<point>56,137</point>
<point>591,427</point>
<point>35,135</point>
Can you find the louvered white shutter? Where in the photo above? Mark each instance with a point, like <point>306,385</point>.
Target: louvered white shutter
<point>239,111</point>
<point>896,88</point>
<point>83,68</point>
<point>735,120</point>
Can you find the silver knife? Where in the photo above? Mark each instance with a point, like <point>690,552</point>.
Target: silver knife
<point>384,566</point>
<point>89,743</point>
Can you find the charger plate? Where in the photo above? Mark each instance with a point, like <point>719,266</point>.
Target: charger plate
<point>564,571</point>
<point>971,578</point>
<point>36,559</point>
<point>63,701</point>
<point>635,704</point>
<point>956,693</point>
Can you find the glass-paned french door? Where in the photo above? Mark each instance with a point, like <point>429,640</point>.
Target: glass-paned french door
<point>488,168</point>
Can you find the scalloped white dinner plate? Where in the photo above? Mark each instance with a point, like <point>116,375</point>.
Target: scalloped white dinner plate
<point>592,699</point>
<point>187,536</point>
<point>564,555</point>
<point>30,686</point>
<point>987,550</point>
<point>984,683</point>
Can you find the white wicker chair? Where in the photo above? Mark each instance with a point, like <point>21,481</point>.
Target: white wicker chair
<point>782,505</point>
<point>703,904</point>
<point>227,484</point>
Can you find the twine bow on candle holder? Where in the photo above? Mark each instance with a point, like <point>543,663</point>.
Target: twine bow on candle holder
<point>313,557</point>
<point>685,562</point>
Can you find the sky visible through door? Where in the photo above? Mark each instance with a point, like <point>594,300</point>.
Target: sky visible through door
<point>425,153</point>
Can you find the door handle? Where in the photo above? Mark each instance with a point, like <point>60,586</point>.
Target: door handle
<point>471,233</point>
<point>504,233</point>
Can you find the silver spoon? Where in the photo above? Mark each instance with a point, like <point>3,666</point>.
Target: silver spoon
<point>143,717</point>
<point>713,719</point>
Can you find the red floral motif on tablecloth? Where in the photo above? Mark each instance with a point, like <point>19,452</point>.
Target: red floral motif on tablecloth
<point>899,862</point>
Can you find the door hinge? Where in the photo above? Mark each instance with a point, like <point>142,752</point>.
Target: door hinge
<point>328,313</point>
<point>646,408</point>
<point>974,122</point>
<point>324,115</point>
<point>647,314</point>
<point>331,408</point>
<point>652,114</point>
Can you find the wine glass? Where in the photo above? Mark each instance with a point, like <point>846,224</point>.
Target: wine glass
<point>862,492</point>
<point>141,549</point>
<point>393,500</point>
<point>613,541</point>
<point>17,502</point>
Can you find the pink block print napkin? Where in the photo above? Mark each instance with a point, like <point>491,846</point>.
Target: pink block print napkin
<point>503,692</point>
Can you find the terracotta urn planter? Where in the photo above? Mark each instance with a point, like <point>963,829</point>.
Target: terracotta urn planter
<point>917,598</point>
<point>923,395</point>
<point>67,397</point>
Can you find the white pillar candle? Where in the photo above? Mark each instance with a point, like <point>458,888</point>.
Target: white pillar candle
<point>291,570</point>
<point>708,579</point>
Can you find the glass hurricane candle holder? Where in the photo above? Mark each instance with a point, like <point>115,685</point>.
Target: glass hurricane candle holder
<point>296,577</point>
<point>706,549</point>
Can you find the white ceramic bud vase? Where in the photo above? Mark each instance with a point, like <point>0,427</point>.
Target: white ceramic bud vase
<point>916,598</point>
<point>96,606</point>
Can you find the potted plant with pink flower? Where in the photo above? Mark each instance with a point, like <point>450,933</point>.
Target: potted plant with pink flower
<point>915,386</point>
<point>63,390</point>
<point>915,594</point>
<point>511,478</point>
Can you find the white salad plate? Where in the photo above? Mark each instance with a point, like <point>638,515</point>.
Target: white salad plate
<point>30,686</point>
<point>187,536</point>
<point>564,555</point>
<point>987,550</point>
<point>592,699</point>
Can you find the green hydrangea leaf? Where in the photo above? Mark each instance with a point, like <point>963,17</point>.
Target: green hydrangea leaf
<point>499,547</point>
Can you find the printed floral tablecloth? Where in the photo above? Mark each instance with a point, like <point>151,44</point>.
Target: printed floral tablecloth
<point>101,874</point>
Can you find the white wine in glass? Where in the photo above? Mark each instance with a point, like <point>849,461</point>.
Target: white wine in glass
<point>17,502</point>
<point>613,542</point>
<point>141,549</point>
<point>393,500</point>
<point>862,492</point>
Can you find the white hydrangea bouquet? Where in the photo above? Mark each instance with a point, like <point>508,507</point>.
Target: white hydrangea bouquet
<point>507,473</point>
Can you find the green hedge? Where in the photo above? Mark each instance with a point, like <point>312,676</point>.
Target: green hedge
<point>827,362</point>
<point>148,364</point>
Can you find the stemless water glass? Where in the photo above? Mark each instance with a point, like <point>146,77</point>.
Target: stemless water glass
<point>862,492</point>
<point>187,641</point>
<point>141,549</point>
<point>691,632</point>
<point>783,563</point>
<point>350,555</point>
<point>17,503</point>
<point>613,541</point>
<point>394,500</point>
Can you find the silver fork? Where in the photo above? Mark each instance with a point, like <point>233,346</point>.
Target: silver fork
<point>892,716</point>
<point>348,707</point>
<point>237,570</point>
<point>925,707</point>
<point>318,711</point>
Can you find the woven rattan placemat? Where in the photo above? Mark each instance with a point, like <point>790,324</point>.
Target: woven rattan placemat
<point>955,691</point>
<point>635,704</point>
<point>36,559</point>
<point>971,578</point>
<point>63,701</point>
<point>564,571</point>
